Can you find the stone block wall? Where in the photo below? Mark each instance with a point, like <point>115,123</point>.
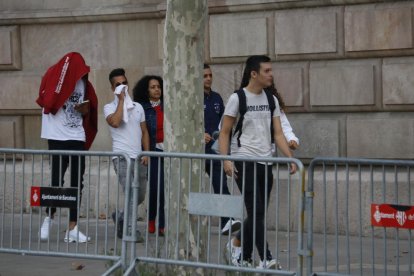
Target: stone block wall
<point>345,72</point>
<point>343,67</point>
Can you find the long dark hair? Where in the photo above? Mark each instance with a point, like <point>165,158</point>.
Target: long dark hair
<point>140,91</point>
<point>252,64</point>
<point>272,88</point>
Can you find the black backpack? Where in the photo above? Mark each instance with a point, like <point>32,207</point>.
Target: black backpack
<point>243,110</point>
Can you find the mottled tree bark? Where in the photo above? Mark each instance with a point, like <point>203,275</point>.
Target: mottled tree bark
<point>184,124</point>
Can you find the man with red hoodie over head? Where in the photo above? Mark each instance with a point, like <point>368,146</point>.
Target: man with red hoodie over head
<point>69,122</point>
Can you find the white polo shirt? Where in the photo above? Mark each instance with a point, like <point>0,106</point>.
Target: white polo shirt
<point>128,136</point>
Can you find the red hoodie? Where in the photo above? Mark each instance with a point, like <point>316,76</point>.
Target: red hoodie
<point>58,84</point>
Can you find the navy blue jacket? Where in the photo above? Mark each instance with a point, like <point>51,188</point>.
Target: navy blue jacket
<point>213,111</point>
<point>151,120</point>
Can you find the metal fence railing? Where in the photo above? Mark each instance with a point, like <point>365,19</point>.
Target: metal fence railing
<point>21,171</point>
<point>192,235</point>
<point>340,206</point>
<point>340,231</point>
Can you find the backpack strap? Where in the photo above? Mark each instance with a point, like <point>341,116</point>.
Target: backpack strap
<point>272,107</point>
<point>242,111</point>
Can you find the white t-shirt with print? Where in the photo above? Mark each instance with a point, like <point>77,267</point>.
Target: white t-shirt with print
<point>66,124</point>
<point>127,137</point>
<point>255,139</point>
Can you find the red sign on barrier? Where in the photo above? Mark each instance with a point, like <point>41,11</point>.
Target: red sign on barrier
<point>388,215</point>
<point>35,196</point>
<point>54,197</point>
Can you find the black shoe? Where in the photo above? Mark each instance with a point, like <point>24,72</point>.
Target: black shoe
<point>119,223</point>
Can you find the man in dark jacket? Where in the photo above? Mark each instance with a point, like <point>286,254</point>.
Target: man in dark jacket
<point>213,111</point>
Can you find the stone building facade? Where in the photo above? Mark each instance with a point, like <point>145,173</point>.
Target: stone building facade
<point>345,68</point>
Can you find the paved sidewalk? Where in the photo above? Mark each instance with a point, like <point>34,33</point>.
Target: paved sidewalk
<point>13,264</point>
<point>28,228</point>
<point>366,256</point>
<point>18,264</point>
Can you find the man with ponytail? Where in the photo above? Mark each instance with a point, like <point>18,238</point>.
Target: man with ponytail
<point>253,140</point>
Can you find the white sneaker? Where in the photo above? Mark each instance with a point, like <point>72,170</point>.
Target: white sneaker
<point>233,225</point>
<point>245,263</point>
<point>270,264</point>
<point>234,252</point>
<point>75,235</point>
<point>44,230</point>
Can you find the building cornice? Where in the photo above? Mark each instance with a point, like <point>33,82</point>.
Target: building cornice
<point>156,11</point>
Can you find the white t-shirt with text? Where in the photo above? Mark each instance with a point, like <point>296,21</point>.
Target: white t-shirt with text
<point>66,124</point>
<point>256,138</point>
<point>128,136</point>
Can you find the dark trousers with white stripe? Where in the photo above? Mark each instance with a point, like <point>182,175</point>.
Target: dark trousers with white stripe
<point>248,173</point>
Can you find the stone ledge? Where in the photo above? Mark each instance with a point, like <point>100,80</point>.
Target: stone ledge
<point>127,12</point>
<point>96,12</point>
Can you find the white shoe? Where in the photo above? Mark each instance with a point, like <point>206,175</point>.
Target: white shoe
<point>270,264</point>
<point>75,235</point>
<point>233,225</point>
<point>45,229</point>
<point>234,252</point>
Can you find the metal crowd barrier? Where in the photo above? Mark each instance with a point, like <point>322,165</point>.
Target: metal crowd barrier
<point>20,223</point>
<point>340,232</point>
<point>192,237</point>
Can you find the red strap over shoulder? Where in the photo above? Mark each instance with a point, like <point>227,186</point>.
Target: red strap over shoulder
<point>90,121</point>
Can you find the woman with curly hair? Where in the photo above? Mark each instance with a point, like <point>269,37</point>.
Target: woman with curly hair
<point>149,93</point>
